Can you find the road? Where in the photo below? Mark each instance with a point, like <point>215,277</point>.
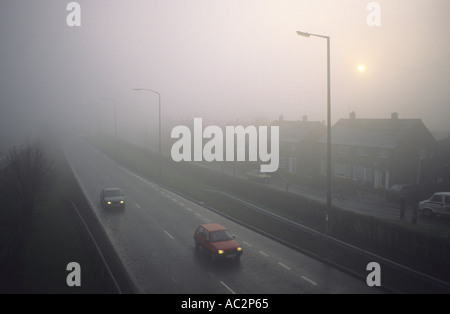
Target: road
<point>153,237</point>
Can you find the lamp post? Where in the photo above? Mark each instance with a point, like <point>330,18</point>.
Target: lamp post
<point>328,208</point>
<point>159,123</point>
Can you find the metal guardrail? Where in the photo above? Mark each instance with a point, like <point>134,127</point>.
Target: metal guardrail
<point>100,261</point>
<point>409,271</point>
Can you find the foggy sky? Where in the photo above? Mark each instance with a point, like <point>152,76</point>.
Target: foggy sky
<point>221,60</point>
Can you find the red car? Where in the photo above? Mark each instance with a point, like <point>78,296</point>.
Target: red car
<point>216,240</point>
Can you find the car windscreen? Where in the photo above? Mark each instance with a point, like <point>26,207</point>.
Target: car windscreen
<point>112,193</point>
<point>221,235</point>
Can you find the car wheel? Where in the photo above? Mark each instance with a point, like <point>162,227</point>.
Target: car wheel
<point>427,212</point>
<point>197,245</point>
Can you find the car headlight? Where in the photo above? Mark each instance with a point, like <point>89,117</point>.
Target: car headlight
<point>109,203</point>
<point>220,252</point>
<point>239,249</point>
<point>121,202</point>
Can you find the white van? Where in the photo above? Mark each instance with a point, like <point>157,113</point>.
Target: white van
<point>437,205</point>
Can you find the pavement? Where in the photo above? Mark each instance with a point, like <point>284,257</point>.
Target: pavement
<point>368,204</point>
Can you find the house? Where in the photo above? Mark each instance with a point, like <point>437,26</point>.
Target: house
<point>379,153</point>
<point>299,146</point>
<point>444,184</point>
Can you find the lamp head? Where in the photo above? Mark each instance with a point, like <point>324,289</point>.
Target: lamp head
<point>304,34</point>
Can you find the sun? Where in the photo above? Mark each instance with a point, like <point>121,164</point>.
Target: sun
<point>361,68</point>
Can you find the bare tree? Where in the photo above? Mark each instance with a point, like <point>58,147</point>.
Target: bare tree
<point>24,177</point>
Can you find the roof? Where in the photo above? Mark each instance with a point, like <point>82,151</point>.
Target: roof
<point>213,227</point>
<point>442,193</point>
<point>380,133</point>
<point>295,131</point>
<point>111,189</point>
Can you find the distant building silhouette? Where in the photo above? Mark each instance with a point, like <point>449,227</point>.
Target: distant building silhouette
<point>377,153</point>
<point>299,147</point>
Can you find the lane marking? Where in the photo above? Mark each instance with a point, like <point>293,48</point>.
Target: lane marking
<point>284,266</point>
<point>246,243</point>
<point>263,253</point>
<point>138,206</point>
<point>309,280</point>
<point>169,235</point>
<point>198,215</point>
<point>228,288</point>
<point>189,209</point>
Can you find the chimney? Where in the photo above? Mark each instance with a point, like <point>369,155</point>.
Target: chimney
<point>352,115</point>
<point>394,116</point>
<point>305,118</point>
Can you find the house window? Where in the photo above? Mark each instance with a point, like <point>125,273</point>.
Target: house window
<point>383,154</point>
<point>360,173</point>
<point>425,153</point>
<point>342,170</point>
<point>362,152</point>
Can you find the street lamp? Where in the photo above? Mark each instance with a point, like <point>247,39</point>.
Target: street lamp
<point>328,208</point>
<point>159,123</point>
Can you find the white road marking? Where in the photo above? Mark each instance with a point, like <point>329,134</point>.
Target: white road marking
<point>198,215</point>
<point>138,206</point>
<point>284,266</point>
<point>246,243</point>
<point>263,253</point>
<point>228,288</point>
<point>309,280</point>
<point>188,208</point>
<point>169,235</point>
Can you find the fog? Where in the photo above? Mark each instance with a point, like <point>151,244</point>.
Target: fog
<point>219,60</point>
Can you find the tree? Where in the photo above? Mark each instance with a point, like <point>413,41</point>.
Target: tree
<point>25,176</point>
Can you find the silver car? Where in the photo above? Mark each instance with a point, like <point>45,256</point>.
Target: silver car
<point>112,198</point>
<point>437,205</point>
